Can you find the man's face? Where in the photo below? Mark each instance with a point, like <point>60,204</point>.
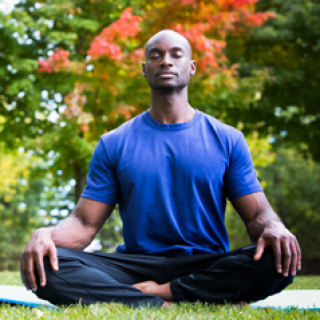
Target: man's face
<point>168,63</point>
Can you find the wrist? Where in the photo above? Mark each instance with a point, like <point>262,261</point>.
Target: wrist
<point>269,224</point>
<point>45,232</point>
<point>258,226</point>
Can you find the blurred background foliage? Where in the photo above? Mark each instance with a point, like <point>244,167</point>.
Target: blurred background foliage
<point>71,71</point>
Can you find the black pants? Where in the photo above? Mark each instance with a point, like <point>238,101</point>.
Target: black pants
<point>215,278</point>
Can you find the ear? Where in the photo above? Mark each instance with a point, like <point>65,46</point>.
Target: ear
<point>193,67</point>
<point>144,69</point>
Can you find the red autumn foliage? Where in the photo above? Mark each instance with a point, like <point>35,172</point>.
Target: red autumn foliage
<point>44,66</point>
<point>57,62</point>
<point>209,50</point>
<point>136,55</point>
<point>125,111</point>
<point>107,43</point>
<point>205,26</point>
<point>205,23</point>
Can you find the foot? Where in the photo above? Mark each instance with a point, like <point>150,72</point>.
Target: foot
<point>241,303</point>
<point>151,287</point>
<point>167,304</point>
<point>145,286</point>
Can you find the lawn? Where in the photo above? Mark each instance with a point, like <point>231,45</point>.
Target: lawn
<point>183,311</point>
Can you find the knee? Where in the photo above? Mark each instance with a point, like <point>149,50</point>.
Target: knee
<point>55,285</point>
<point>45,292</point>
<point>265,280</point>
<point>47,270</point>
<point>268,264</point>
<point>58,282</point>
<point>269,274</point>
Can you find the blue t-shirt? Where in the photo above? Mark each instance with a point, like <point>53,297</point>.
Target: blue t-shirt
<point>171,182</point>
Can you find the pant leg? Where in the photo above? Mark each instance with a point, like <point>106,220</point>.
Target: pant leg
<point>91,278</point>
<point>231,278</point>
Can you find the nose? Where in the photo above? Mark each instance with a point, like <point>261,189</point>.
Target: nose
<point>166,61</point>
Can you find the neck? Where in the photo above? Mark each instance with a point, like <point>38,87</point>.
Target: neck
<point>171,106</point>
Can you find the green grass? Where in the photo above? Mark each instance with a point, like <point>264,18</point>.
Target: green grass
<point>183,311</point>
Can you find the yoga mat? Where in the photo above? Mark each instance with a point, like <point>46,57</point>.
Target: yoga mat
<point>21,296</point>
<point>287,299</point>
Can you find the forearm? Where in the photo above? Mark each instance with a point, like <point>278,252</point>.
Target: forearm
<point>71,233</point>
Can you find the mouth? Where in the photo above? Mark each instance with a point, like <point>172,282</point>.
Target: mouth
<point>166,74</point>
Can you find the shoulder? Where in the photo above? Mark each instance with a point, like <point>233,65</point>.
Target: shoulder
<point>112,143</point>
<point>120,134</point>
<point>220,127</point>
<point>227,135</point>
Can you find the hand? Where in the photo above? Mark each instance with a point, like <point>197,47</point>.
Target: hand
<point>285,247</point>
<point>39,245</point>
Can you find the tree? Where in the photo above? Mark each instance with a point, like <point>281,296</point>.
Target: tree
<point>292,187</point>
<point>19,205</point>
<point>292,183</point>
<point>71,71</point>
<point>100,102</point>
<point>30,101</point>
<point>287,47</point>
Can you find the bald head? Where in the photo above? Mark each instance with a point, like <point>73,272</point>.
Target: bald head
<point>168,63</point>
<point>178,38</point>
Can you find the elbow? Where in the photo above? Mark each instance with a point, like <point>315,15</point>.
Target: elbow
<point>83,232</point>
<point>86,237</point>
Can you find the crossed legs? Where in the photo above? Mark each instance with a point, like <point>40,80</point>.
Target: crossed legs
<point>92,278</point>
<point>216,278</point>
<point>233,277</point>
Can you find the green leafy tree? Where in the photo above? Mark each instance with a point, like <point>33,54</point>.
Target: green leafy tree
<point>292,184</point>
<point>31,101</point>
<point>70,71</point>
<point>288,49</point>
<point>19,205</point>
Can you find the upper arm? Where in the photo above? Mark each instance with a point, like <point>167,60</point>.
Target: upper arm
<point>101,193</point>
<point>250,205</point>
<point>102,182</point>
<point>240,177</point>
<point>92,214</point>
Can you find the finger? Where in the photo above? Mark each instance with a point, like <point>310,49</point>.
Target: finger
<point>287,257</point>
<point>40,270</point>
<point>261,244</point>
<point>299,264</point>
<point>53,256</point>
<point>294,260</point>
<point>30,272</point>
<point>276,247</point>
<point>24,271</point>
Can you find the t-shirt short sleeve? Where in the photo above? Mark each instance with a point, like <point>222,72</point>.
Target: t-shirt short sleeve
<point>241,178</point>
<point>102,184</point>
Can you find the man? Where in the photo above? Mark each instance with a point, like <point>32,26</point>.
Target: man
<point>170,169</point>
